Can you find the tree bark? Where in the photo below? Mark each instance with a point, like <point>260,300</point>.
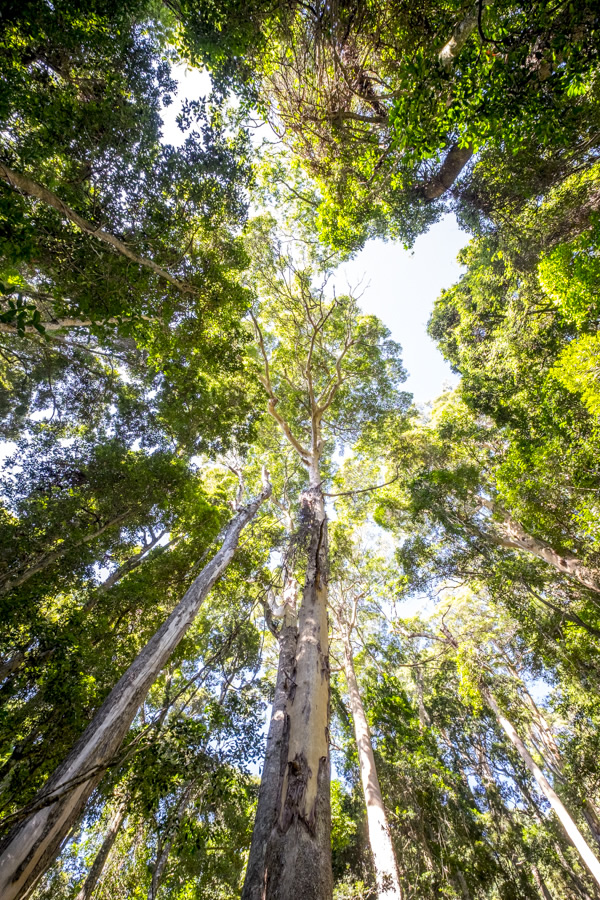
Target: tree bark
<point>514,537</point>
<point>296,859</point>
<point>545,787</point>
<point>455,161</point>
<point>461,35</point>
<point>382,849</point>
<point>30,188</point>
<point>275,758</point>
<point>101,859</point>
<point>541,884</point>
<point>46,559</point>
<point>31,846</point>
<point>164,848</point>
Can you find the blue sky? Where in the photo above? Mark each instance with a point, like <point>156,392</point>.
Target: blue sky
<point>400,286</point>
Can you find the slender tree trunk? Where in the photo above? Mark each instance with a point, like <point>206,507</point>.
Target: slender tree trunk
<point>297,856</point>
<point>32,845</point>
<point>46,559</point>
<point>545,787</point>
<point>164,848</point>
<point>384,858</point>
<point>101,859</point>
<point>541,884</point>
<point>514,537</point>
<point>461,35</point>
<point>30,188</point>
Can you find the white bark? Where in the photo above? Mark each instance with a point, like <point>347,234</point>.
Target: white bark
<point>545,787</point>
<point>384,858</point>
<point>513,536</point>
<point>31,846</point>
<point>460,35</point>
<point>30,188</point>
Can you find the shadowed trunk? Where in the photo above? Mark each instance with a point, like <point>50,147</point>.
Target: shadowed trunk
<point>514,537</point>
<point>296,861</point>
<point>32,845</point>
<point>7,583</point>
<point>164,847</point>
<point>455,161</point>
<point>545,787</point>
<point>101,859</point>
<point>384,858</point>
<point>541,884</point>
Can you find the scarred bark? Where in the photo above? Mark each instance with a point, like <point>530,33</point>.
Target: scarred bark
<point>513,536</point>
<point>275,758</point>
<point>31,846</point>
<point>384,858</point>
<point>570,827</point>
<point>294,827</point>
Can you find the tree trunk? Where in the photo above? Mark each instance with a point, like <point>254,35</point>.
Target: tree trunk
<point>296,861</point>
<point>545,787</point>
<point>7,583</point>
<point>30,188</point>
<point>384,858</point>
<point>461,35</point>
<point>164,848</point>
<point>275,758</point>
<point>515,537</point>
<point>455,161</point>
<point>110,837</point>
<point>541,884</point>
<point>31,846</point>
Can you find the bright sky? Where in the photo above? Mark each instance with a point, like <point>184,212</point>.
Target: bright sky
<point>399,286</point>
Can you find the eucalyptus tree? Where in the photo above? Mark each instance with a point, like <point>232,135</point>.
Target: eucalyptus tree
<point>328,372</point>
<point>358,579</point>
<point>32,844</point>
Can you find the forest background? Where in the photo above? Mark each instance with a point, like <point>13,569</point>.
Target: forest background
<point>220,502</point>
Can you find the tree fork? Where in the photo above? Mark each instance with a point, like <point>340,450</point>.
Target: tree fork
<point>31,846</point>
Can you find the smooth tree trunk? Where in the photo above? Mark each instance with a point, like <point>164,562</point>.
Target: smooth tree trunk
<point>382,849</point>
<point>97,868</point>
<point>164,847</point>
<point>291,856</point>
<point>513,536</point>
<point>540,884</point>
<point>546,788</point>
<point>32,845</point>
<point>30,188</point>
<point>9,582</point>
<point>461,34</point>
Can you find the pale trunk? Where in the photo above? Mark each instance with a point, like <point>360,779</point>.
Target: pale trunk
<point>461,35</point>
<point>164,847</point>
<point>275,759</point>
<point>297,858</point>
<point>384,859</point>
<point>100,861</point>
<point>515,537</point>
<point>46,559</point>
<point>32,845</point>
<point>546,788</point>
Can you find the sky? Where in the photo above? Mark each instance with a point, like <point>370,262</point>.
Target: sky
<point>400,286</point>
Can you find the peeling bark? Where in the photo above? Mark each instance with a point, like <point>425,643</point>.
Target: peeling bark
<point>296,859</point>
<point>31,846</point>
<point>382,849</point>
